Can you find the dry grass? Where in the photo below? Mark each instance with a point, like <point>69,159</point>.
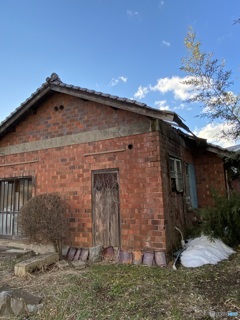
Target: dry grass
<point>112,291</point>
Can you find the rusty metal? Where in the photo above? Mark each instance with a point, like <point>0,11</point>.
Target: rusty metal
<point>160,258</point>
<point>125,257</point>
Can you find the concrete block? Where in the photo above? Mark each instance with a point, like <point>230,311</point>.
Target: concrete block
<point>35,263</point>
<point>18,252</point>
<point>18,302</point>
<point>77,264</point>
<point>95,254</point>
<point>17,306</point>
<point>4,300</point>
<point>62,264</point>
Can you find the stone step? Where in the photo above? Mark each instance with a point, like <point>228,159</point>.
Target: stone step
<point>35,263</point>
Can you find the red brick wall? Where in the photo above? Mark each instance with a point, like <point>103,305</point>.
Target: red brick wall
<point>149,211</point>
<point>210,175</point>
<point>76,117</point>
<point>67,171</point>
<point>175,211</point>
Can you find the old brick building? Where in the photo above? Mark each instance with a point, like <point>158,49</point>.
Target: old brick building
<point>128,176</point>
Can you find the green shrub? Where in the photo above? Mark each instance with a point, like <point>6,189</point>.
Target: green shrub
<point>42,220</point>
<point>223,220</point>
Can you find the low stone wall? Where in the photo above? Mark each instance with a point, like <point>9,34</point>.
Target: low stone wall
<point>16,302</point>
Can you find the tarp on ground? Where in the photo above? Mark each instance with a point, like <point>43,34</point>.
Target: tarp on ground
<point>202,250</point>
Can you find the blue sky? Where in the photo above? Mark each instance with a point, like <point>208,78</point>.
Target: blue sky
<point>128,48</point>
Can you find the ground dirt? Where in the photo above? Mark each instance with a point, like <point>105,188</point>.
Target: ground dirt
<point>113,291</point>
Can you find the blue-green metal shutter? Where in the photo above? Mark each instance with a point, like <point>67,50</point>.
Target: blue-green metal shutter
<point>193,187</point>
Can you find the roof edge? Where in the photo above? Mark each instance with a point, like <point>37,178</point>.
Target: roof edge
<point>54,83</point>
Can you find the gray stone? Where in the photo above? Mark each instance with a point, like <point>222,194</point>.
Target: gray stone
<point>35,263</point>
<point>19,252</point>
<point>26,296</point>
<point>95,254</point>
<point>62,264</point>
<point>4,301</point>
<point>77,264</point>
<point>17,306</point>
<point>33,308</point>
<point>3,297</point>
<point>18,302</point>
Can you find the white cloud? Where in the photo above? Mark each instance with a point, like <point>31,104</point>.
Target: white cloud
<point>162,105</point>
<point>131,13</point>
<point>174,84</point>
<point>166,43</point>
<point>141,92</point>
<point>183,106</point>
<point>123,79</point>
<point>211,132</point>
<point>115,81</point>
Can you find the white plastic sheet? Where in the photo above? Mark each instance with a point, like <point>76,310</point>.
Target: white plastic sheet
<point>202,251</point>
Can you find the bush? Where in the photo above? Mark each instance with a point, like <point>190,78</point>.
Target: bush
<point>42,220</point>
<point>223,220</point>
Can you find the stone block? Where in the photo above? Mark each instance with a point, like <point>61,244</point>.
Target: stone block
<point>35,263</point>
<point>4,301</point>
<point>78,264</point>
<point>63,264</point>
<point>95,254</point>
<point>18,302</point>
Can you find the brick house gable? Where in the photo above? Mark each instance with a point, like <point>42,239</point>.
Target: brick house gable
<point>86,145</point>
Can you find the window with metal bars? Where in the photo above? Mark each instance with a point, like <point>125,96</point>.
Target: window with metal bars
<point>14,193</point>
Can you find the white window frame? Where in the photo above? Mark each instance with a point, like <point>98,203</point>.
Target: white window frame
<point>176,174</point>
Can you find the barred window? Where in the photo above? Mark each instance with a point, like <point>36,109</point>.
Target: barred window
<point>14,193</point>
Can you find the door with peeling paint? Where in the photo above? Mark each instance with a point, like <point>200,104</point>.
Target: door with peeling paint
<point>106,223</point>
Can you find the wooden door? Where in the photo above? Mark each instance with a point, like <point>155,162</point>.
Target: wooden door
<point>106,226</point>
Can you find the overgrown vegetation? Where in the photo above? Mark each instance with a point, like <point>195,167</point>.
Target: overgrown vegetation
<point>223,220</point>
<point>42,220</point>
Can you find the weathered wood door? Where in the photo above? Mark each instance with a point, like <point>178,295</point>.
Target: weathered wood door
<point>106,226</point>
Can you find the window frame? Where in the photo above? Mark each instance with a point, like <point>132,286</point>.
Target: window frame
<point>14,193</point>
<point>176,174</point>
